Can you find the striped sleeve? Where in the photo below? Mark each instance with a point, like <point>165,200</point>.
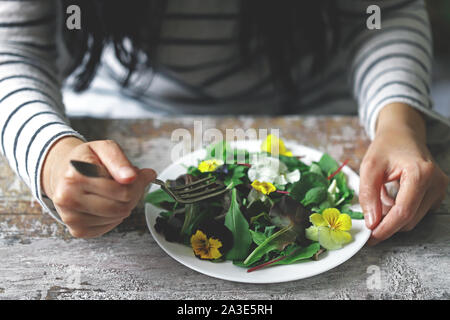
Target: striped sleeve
<point>31,109</point>
<point>393,63</point>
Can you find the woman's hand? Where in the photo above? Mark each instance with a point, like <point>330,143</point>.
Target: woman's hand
<point>91,207</point>
<point>399,153</point>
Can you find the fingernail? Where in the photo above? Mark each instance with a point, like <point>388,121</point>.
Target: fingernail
<point>126,172</point>
<point>370,219</point>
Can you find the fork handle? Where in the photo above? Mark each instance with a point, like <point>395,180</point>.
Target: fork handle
<point>159,182</point>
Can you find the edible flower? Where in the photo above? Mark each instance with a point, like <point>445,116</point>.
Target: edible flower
<point>270,169</point>
<point>263,187</point>
<point>204,247</point>
<point>330,228</point>
<point>273,143</point>
<point>209,165</point>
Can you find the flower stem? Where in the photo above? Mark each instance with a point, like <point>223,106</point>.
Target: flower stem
<point>315,257</point>
<point>338,170</point>
<point>248,165</point>
<point>266,264</point>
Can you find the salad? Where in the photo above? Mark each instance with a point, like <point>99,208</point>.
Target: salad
<point>277,209</point>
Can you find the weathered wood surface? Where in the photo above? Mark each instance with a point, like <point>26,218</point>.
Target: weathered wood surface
<point>40,260</point>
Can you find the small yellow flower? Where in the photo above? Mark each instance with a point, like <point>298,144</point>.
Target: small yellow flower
<point>330,228</point>
<point>209,165</point>
<point>273,143</point>
<point>263,187</point>
<point>204,247</point>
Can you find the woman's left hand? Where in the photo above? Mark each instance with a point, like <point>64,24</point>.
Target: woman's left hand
<point>399,153</point>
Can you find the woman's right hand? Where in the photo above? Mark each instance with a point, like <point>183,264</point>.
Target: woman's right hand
<point>90,207</point>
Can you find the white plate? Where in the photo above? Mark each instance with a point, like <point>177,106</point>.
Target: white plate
<point>280,273</point>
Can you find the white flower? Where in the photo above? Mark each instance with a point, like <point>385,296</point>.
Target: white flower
<point>293,176</point>
<point>269,169</point>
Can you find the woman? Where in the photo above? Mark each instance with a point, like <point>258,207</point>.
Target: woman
<point>218,57</point>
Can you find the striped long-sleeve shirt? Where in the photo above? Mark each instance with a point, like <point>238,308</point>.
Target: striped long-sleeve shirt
<point>201,73</point>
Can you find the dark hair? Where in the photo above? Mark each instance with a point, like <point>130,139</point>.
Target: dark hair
<point>285,31</point>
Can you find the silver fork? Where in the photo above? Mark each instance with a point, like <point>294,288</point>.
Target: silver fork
<point>189,193</point>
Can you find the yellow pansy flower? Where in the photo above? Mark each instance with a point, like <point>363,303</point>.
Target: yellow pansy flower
<point>204,247</point>
<point>330,228</point>
<point>272,143</point>
<point>263,187</point>
<point>209,165</point>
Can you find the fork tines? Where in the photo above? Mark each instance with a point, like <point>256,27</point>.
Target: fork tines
<point>197,182</point>
<point>198,190</point>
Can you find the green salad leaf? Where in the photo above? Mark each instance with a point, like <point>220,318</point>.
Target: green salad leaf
<point>258,237</point>
<point>315,196</point>
<point>293,163</point>
<point>237,175</point>
<point>238,225</point>
<point>218,150</point>
<point>278,241</point>
<point>192,216</point>
<point>308,181</point>
<point>328,164</point>
<point>298,253</point>
<point>158,198</point>
<point>291,216</point>
<point>316,168</point>
<point>353,214</point>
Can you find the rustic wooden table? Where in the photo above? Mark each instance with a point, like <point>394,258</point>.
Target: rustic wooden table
<point>40,260</point>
